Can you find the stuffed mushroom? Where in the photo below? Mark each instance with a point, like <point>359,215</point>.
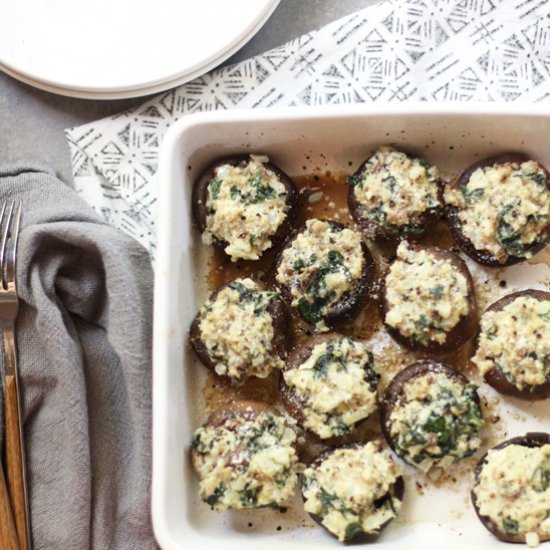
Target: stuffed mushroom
<point>427,300</point>
<point>325,270</point>
<point>513,347</point>
<point>245,204</point>
<point>511,494</point>
<point>353,492</point>
<point>431,415</point>
<point>329,384</point>
<point>395,196</point>
<point>241,331</point>
<point>245,457</point>
<point>499,209</point>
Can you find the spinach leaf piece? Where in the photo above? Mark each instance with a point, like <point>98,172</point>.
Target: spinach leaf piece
<point>539,178</point>
<point>510,525</point>
<point>214,188</point>
<point>472,196</point>
<point>262,191</point>
<point>215,497</point>
<point>249,497</point>
<point>327,501</point>
<point>355,180</point>
<point>437,291</point>
<point>509,238</point>
<point>260,298</point>
<point>310,308</point>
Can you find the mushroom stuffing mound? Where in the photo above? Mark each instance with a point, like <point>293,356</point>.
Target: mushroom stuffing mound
<point>245,457</point>
<point>511,494</point>
<point>353,492</point>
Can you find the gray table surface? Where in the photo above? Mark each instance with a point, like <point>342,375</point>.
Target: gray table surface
<point>32,121</point>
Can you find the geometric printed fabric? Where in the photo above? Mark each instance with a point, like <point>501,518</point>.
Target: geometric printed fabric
<point>399,50</point>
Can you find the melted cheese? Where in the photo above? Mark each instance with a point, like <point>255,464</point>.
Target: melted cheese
<point>513,490</point>
<point>331,385</point>
<point>503,208</point>
<point>516,340</point>
<point>237,330</point>
<point>343,489</point>
<point>395,190</point>
<point>245,205</point>
<point>246,463</point>
<point>322,263</point>
<point>436,422</point>
<point>426,296</point>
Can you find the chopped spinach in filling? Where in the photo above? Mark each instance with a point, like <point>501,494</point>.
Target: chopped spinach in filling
<point>513,490</point>
<point>317,296</point>
<point>237,330</point>
<point>320,267</point>
<point>245,206</point>
<point>426,295</point>
<point>246,463</point>
<point>516,341</point>
<point>436,421</point>
<point>504,209</point>
<point>337,386</point>
<point>351,490</point>
<point>395,191</point>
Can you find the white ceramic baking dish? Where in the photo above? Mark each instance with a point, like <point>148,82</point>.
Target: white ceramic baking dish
<point>302,141</point>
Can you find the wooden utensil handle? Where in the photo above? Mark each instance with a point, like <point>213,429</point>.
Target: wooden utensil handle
<point>8,535</point>
<point>15,465</point>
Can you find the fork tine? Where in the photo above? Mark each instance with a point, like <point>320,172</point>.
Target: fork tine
<point>5,225</point>
<point>12,245</point>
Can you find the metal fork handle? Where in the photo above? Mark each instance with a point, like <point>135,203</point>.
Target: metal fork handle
<point>15,459</point>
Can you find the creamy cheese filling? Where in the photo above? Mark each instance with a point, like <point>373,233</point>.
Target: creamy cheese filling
<point>336,385</point>
<point>245,206</point>
<point>395,190</point>
<point>322,263</point>
<point>516,341</point>
<point>351,490</point>
<point>237,330</point>
<point>246,463</point>
<point>436,421</point>
<point>426,296</point>
<point>503,208</point>
<point>513,490</point>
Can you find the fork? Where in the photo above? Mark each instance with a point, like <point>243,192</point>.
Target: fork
<point>15,453</point>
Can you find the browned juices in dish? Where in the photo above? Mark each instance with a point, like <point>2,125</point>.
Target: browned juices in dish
<point>324,195</point>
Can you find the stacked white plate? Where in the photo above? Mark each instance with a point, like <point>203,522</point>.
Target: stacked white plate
<point>110,49</point>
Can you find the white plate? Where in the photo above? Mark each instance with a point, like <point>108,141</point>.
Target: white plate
<point>302,140</point>
<point>110,49</point>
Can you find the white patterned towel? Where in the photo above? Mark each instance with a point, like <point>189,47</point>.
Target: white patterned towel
<point>434,50</point>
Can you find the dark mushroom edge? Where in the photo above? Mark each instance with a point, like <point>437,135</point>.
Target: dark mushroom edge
<point>455,337</point>
<point>201,186</point>
<point>505,532</point>
<point>444,428</point>
<point>390,502</point>
<point>258,302</point>
<point>502,382</point>
<point>351,301</point>
<point>515,251</point>
<point>374,219</point>
<point>232,437</point>
<point>335,354</point>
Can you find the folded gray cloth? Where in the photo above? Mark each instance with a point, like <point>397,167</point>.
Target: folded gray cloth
<point>84,348</point>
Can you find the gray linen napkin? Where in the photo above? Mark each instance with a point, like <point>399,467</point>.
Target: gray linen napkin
<point>84,349</point>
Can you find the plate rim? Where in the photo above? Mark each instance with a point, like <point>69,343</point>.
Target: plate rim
<point>159,85</point>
